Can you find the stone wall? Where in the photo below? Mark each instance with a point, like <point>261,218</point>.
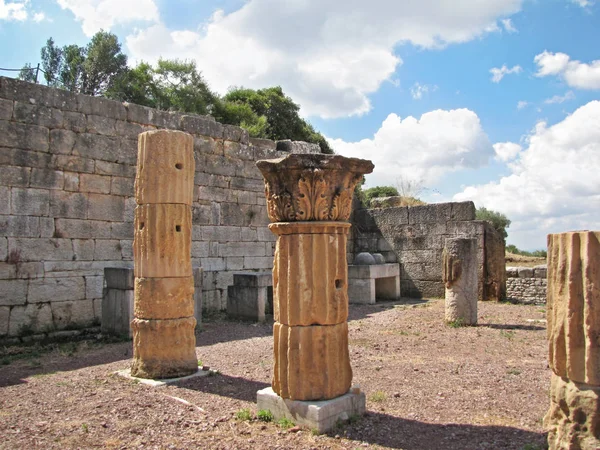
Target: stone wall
<point>526,284</point>
<point>67,166</point>
<point>414,237</point>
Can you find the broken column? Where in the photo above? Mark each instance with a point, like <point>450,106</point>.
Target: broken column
<point>164,341</point>
<point>309,202</point>
<point>573,314</point>
<point>459,273</point>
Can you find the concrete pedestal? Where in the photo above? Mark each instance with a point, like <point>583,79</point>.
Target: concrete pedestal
<point>366,283</point>
<point>316,415</point>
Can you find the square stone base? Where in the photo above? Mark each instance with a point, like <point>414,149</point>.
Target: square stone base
<point>316,415</point>
<point>126,373</point>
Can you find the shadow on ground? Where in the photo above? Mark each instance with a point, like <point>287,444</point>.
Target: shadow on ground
<point>510,326</point>
<point>358,311</point>
<point>224,385</point>
<point>394,432</point>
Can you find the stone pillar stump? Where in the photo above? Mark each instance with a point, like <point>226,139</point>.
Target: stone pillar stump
<point>164,341</point>
<point>573,315</point>
<point>309,202</point>
<point>459,273</point>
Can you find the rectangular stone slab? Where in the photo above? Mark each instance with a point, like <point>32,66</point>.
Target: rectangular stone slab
<point>311,363</point>
<point>164,348</point>
<point>162,241</point>
<point>165,168</point>
<point>164,298</point>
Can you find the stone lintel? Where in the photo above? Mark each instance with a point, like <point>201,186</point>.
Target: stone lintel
<point>318,415</point>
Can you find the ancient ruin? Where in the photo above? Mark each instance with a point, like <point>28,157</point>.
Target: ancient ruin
<point>164,343</point>
<point>573,314</point>
<point>309,201</point>
<point>459,272</point>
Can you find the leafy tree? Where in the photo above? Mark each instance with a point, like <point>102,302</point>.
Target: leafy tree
<point>71,71</point>
<point>498,220</point>
<point>51,62</point>
<point>28,73</point>
<point>380,191</point>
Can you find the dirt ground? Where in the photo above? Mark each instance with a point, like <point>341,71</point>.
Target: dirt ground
<point>428,386</point>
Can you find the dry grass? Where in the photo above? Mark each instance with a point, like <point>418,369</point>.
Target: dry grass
<point>523,261</point>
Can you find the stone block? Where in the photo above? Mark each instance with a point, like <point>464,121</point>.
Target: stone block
<point>107,250</point>
<point>72,163</point>
<point>106,207</point>
<point>30,202</point>
<point>62,141</point>
<point>38,115</point>
<point>71,182</point>
<point>44,290</point>
<point>164,298</point>
<point>198,282</point>
<point>41,249</point>
<point>201,125</point>
<point>434,213</point>
<point>13,292</point>
<point>162,244</point>
<point>24,91</point>
<point>242,249</point>
<point>101,107</point>
<point>237,134</point>
<point>258,262</point>
<point>119,278</point>
<point>101,125</point>
<point>164,348</point>
<point>462,211</point>
<point>68,205</point>
<point>253,279</point>
<point>23,136</point>
<point>117,312</point>
<point>97,146</point>
<point>75,121</point>
<point>540,271</point>
<point>321,416</point>
<point>84,249</point>
<point>82,229</point>
<point>460,275</point>
<point>297,147</point>
<point>165,168</point>
<point>220,165</point>
<point>115,169</point>
<point>78,313</point>
<point>94,183</point>
<point>525,272</point>
<point>6,109</point>
<point>238,151</point>
<point>19,226</point>
<point>361,291</point>
<point>24,158</point>
<point>128,129</point>
<point>121,230</point>
<point>94,287</point>
<point>14,176</point>
<point>46,179</point>
<point>4,310</point>
<point>311,362</point>
<point>30,318</point>
<point>4,200</point>
<point>219,234</point>
<point>3,249</point>
<point>122,186</point>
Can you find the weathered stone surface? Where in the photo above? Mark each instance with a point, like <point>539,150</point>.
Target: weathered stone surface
<point>117,312</point>
<point>310,273</point>
<point>494,281</point>
<point>299,147</point>
<point>26,137</point>
<point>573,305</point>
<point>165,168</point>
<point>30,202</point>
<point>459,273</point>
<point>164,298</point>
<point>364,259</point>
<point>36,318</point>
<point>164,348</point>
<point>67,313</point>
<point>162,243</point>
<point>4,320</point>
<point>119,278</point>
<point>13,292</point>
<point>311,363</point>
<point>56,289</point>
<point>311,187</point>
<point>573,420</point>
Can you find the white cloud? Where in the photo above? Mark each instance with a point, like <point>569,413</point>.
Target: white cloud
<point>584,3</point>
<point>560,98</point>
<point>522,104</point>
<point>575,73</point>
<point>506,151</point>
<point>418,90</point>
<point>13,10</point>
<point>509,26</point>
<point>553,185</point>
<point>103,14</point>
<point>498,73</point>
<point>328,55</point>
<point>39,17</point>
<point>422,149</point>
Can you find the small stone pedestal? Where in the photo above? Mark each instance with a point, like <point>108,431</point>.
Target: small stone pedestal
<point>459,273</point>
<point>309,200</point>
<point>573,314</point>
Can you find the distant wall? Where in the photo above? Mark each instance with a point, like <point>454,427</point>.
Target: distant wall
<point>527,284</point>
<point>67,167</point>
<point>414,237</point>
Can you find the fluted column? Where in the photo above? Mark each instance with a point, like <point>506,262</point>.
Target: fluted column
<point>164,341</point>
<point>573,313</point>
<point>309,201</point>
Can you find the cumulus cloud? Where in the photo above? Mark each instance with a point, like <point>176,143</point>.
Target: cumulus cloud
<point>13,10</point>
<point>575,73</point>
<point>553,184</point>
<point>422,149</point>
<point>104,14</point>
<point>509,26</point>
<point>328,55</point>
<point>506,151</point>
<point>560,98</point>
<point>499,73</point>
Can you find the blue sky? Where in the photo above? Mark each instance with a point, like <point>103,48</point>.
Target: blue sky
<point>494,101</point>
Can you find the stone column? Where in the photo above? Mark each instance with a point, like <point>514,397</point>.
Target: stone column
<point>309,202</point>
<point>164,341</point>
<point>459,272</point>
<point>573,313</point>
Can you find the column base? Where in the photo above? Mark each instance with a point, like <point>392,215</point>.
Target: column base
<point>317,415</point>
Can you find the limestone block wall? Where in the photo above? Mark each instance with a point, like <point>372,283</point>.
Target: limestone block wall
<point>67,167</point>
<point>526,284</point>
<point>414,236</point>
